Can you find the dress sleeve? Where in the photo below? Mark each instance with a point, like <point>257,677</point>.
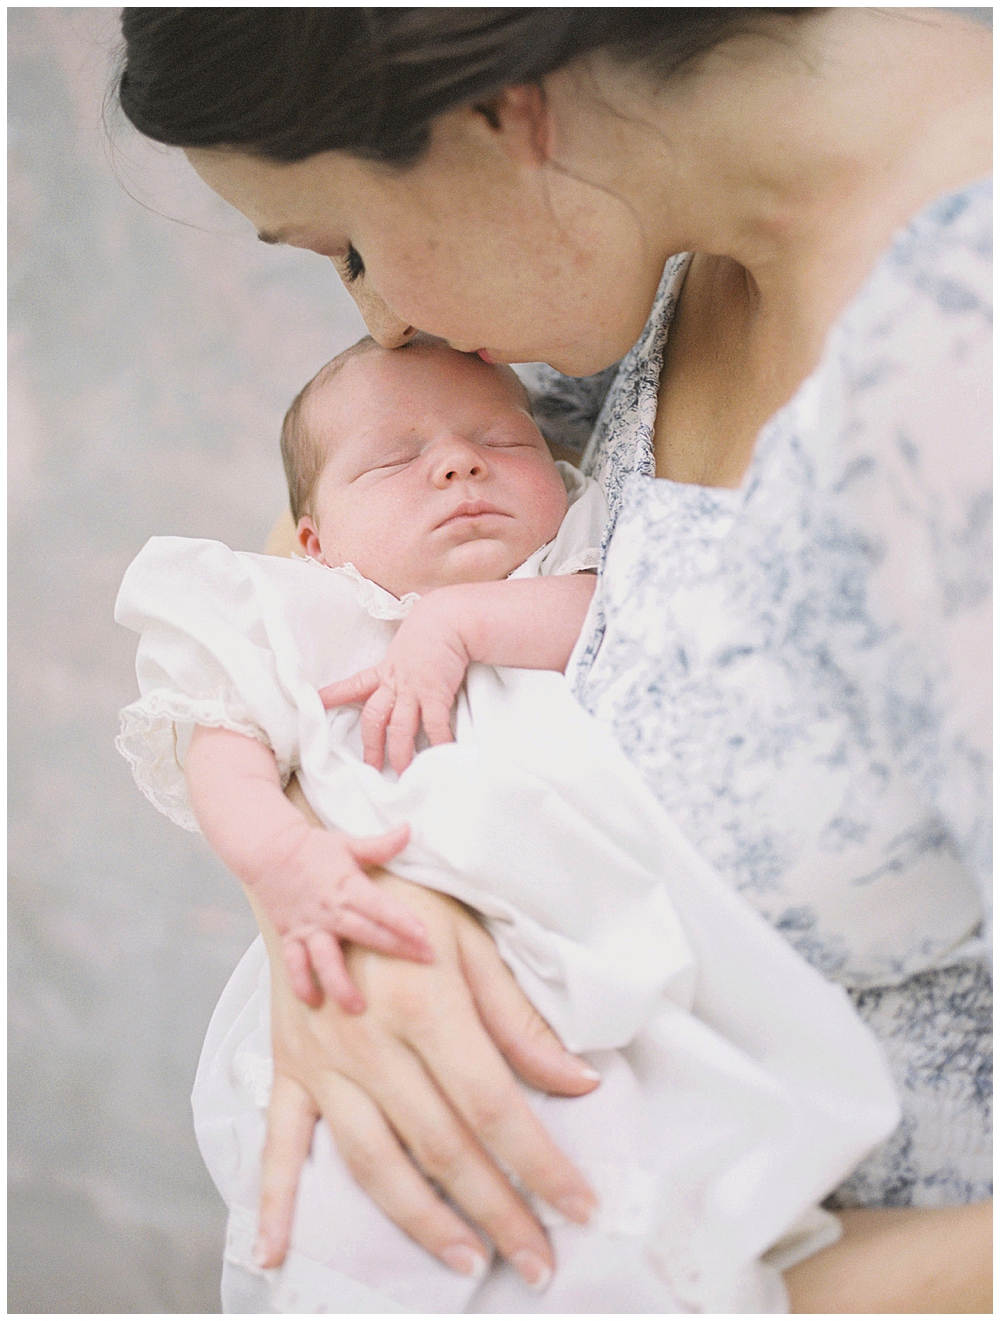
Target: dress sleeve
<point>909,476</point>
<point>565,408</point>
<point>204,658</point>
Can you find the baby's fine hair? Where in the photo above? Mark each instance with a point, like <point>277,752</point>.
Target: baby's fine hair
<point>302,450</point>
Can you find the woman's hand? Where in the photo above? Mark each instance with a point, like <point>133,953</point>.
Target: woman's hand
<point>424,1072</point>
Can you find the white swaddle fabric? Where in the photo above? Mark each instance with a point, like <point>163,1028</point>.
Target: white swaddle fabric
<point>738,1087</point>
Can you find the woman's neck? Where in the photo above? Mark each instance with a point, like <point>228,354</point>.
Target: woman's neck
<point>798,152</point>
<point>785,161</point>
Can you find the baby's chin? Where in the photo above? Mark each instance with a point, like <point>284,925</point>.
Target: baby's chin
<point>479,561</point>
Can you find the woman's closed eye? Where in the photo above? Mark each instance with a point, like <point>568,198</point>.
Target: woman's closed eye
<point>353,266</point>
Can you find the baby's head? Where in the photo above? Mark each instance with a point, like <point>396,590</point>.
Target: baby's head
<point>421,466</point>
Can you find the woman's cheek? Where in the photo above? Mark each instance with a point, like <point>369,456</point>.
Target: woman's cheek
<point>438,295</point>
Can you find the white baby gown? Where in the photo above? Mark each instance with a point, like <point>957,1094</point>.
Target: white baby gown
<point>738,1086</point>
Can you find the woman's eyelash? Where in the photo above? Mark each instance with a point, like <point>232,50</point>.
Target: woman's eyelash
<point>355,266</point>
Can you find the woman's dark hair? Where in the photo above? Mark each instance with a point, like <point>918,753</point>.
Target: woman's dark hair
<point>285,84</point>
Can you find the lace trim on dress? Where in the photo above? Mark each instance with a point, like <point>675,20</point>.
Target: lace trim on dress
<point>149,741</point>
<point>374,600</point>
<point>585,562</point>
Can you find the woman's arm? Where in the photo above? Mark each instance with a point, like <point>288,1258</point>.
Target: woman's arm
<point>901,1261</point>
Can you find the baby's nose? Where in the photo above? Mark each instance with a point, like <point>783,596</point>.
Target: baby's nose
<point>457,461</point>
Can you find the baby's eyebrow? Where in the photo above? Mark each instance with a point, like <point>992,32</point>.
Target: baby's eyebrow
<point>266,237</point>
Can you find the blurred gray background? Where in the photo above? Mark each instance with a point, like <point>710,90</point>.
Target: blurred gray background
<point>155,345</point>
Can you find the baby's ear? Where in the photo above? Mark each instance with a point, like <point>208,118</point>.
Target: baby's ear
<point>307,535</point>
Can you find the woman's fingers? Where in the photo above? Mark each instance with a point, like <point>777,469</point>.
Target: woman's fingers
<point>417,1054</point>
<point>521,1034</point>
<point>483,1091</point>
<point>291,1118</point>
<point>358,688</point>
<point>381,1167</point>
<point>479,1085</point>
<point>447,1153</point>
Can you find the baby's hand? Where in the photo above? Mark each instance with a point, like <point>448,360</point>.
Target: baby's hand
<point>415,684</point>
<point>319,896</point>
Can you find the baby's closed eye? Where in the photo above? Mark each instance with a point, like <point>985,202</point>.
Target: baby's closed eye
<point>502,440</point>
<point>389,465</point>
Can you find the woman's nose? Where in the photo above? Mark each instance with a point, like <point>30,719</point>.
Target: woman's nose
<point>455,460</point>
<point>384,326</point>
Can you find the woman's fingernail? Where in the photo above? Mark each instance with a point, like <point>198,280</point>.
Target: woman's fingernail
<point>260,1254</point>
<point>465,1260</point>
<point>585,1071</point>
<point>576,1207</point>
<point>532,1270</point>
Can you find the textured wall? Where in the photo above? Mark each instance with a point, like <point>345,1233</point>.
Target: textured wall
<point>155,344</point>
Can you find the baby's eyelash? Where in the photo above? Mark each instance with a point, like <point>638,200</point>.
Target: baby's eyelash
<point>355,266</point>
<point>390,465</point>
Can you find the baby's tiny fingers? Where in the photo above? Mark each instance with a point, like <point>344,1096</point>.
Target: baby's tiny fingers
<point>362,896</point>
<point>300,973</point>
<point>437,724</point>
<point>378,849</point>
<point>328,961</point>
<point>374,719</point>
<point>402,732</point>
<point>358,688</point>
<point>361,930</point>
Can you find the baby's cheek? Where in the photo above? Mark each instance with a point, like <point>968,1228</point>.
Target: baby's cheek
<point>554,508</point>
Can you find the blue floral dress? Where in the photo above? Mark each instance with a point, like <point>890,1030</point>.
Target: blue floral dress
<point>800,667</point>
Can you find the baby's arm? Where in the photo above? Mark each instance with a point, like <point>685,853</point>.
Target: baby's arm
<point>525,623</point>
<point>308,880</point>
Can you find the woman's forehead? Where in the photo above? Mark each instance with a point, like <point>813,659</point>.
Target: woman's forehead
<point>281,200</point>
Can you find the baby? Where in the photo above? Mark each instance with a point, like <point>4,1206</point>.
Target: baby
<point>446,582</point>
<point>423,469</point>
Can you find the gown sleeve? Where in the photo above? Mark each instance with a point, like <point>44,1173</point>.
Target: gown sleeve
<point>204,658</point>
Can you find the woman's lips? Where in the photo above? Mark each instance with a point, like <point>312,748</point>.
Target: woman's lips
<point>487,356</point>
